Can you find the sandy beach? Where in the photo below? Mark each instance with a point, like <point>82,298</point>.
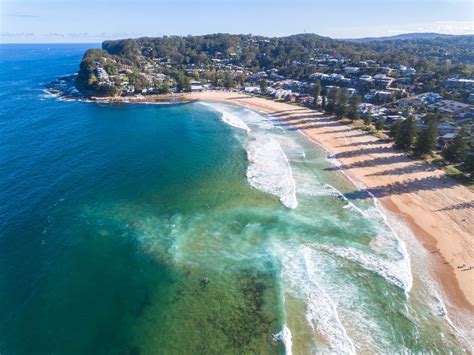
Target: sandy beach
<point>438,210</point>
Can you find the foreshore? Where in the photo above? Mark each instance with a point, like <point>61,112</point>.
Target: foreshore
<point>437,209</point>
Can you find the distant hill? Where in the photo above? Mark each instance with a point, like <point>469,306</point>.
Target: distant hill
<point>404,36</point>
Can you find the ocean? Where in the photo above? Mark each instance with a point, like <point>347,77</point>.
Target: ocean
<point>200,228</point>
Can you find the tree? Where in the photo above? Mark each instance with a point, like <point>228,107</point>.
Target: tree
<point>354,107</point>
<point>395,129</point>
<point>368,117</point>
<point>323,103</point>
<point>164,88</point>
<point>468,165</point>
<point>317,93</point>
<point>341,105</point>
<point>427,137</point>
<point>333,99</point>
<point>228,80</point>
<point>263,85</point>
<point>406,135</point>
<point>456,152</point>
<point>183,83</point>
<point>380,124</point>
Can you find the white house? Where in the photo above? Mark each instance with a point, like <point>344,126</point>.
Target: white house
<point>351,70</point>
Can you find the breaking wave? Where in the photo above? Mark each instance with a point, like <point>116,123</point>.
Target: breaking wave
<point>269,170</point>
<point>228,117</point>
<point>321,313</point>
<point>284,336</point>
<point>392,270</point>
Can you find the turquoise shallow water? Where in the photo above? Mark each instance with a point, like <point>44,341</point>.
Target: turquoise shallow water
<point>144,229</point>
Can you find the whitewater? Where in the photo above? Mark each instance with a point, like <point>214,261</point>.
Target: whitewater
<point>280,165</point>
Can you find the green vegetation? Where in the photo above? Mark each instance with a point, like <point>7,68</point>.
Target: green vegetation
<point>263,85</point>
<point>456,152</point>
<point>202,58</point>
<point>368,117</point>
<point>426,140</point>
<point>354,107</point>
<point>341,102</point>
<point>317,94</point>
<point>380,124</point>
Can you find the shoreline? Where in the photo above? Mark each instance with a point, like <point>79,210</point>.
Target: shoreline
<point>436,209</point>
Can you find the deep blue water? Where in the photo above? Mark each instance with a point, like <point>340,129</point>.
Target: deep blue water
<point>73,279</point>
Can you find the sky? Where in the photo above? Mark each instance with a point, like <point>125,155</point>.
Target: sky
<point>92,21</point>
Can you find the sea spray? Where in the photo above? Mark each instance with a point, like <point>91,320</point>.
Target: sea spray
<point>269,170</point>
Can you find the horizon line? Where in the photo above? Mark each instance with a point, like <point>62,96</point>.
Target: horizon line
<point>252,34</point>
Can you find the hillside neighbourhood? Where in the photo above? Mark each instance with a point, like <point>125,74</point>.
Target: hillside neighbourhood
<point>394,93</point>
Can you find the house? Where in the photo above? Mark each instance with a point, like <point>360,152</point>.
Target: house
<point>444,128</point>
<point>276,77</point>
<point>409,71</point>
<point>336,77</point>
<point>406,70</point>
<point>197,87</point>
<point>450,107</point>
<point>383,95</point>
<point>414,101</point>
<point>455,83</point>
<point>304,99</point>
<point>404,80</point>
<point>386,70</point>
<point>366,78</point>
<point>280,93</point>
<point>383,80</point>
<point>390,119</point>
<point>364,107</point>
<point>446,139</point>
<point>351,70</point>
<point>351,91</point>
<point>344,82</point>
<point>369,96</point>
<point>328,88</point>
<point>101,74</point>
<point>252,89</point>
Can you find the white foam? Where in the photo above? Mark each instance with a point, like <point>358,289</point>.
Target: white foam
<point>46,94</point>
<point>321,313</point>
<point>332,159</point>
<point>386,242</point>
<point>284,335</point>
<point>269,170</point>
<point>391,270</point>
<point>228,117</point>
